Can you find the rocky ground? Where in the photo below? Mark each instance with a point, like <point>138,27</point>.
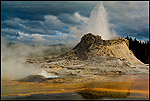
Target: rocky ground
<point>87,71</point>
<point>91,60</point>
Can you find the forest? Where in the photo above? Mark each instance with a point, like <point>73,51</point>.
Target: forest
<point>140,49</point>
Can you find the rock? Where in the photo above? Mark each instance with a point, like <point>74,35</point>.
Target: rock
<point>33,78</point>
<point>93,47</point>
<point>72,74</point>
<point>53,73</point>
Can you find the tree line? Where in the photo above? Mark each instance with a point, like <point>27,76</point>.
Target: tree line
<point>140,49</point>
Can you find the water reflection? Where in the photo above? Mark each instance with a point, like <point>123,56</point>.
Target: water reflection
<point>121,87</point>
<point>106,90</point>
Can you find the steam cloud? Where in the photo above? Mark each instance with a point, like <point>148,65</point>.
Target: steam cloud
<point>14,56</point>
<point>13,61</point>
<point>98,23</point>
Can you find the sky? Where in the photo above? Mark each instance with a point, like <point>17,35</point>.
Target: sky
<point>59,22</point>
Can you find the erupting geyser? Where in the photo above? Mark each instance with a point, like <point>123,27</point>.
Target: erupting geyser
<point>98,23</point>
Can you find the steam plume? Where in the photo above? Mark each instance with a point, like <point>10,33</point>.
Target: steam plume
<point>98,22</point>
<point>14,56</point>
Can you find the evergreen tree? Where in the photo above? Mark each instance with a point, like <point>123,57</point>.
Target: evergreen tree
<point>140,49</point>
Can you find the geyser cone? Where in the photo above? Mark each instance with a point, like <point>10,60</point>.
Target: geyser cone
<point>94,48</point>
<point>98,22</point>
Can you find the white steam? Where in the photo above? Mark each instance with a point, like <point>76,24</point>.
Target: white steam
<point>13,58</point>
<point>13,62</point>
<point>98,23</point>
<point>45,74</point>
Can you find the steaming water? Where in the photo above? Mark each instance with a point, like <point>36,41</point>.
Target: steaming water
<point>45,74</point>
<point>98,22</point>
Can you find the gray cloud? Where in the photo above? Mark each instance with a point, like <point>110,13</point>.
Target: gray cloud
<point>11,24</point>
<point>127,18</point>
<point>7,31</point>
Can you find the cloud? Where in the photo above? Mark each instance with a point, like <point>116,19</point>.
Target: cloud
<point>34,37</point>
<point>52,25</point>
<point>36,10</point>
<point>46,17</point>
<point>73,19</point>
<point>11,23</point>
<point>78,16</point>
<point>129,17</point>
<point>8,31</point>
<point>58,38</point>
<point>81,18</point>
<point>52,22</point>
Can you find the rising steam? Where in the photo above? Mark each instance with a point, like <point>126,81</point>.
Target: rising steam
<point>45,74</point>
<point>14,56</point>
<point>13,61</point>
<point>98,23</point>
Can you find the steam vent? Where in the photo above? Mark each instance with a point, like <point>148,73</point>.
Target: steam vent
<point>93,47</point>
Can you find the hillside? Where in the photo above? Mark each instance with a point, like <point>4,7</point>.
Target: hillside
<point>92,47</point>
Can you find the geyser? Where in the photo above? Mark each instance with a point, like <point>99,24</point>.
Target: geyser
<point>98,23</point>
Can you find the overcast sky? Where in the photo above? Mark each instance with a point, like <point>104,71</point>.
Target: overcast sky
<point>58,22</point>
